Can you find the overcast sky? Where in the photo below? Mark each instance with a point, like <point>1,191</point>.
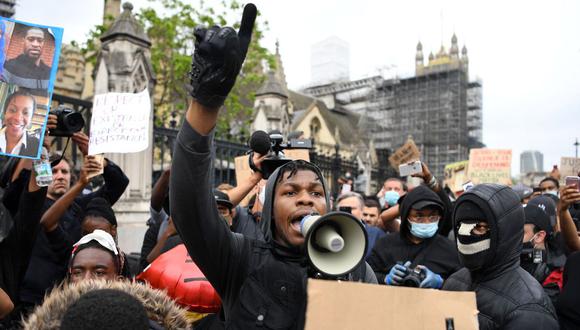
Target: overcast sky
<point>527,53</point>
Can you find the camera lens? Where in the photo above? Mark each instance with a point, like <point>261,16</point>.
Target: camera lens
<point>73,122</point>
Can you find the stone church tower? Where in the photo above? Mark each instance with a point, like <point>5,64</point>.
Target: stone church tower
<point>124,65</point>
<point>273,110</point>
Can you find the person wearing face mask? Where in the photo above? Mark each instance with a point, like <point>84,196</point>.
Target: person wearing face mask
<point>549,185</point>
<point>488,222</point>
<point>417,244</point>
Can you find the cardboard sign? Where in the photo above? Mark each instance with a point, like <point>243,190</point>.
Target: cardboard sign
<point>120,123</point>
<point>352,305</point>
<point>243,170</point>
<point>407,153</point>
<point>28,63</point>
<point>490,166</point>
<point>456,175</point>
<point>569,166</point>
<point>296,154</point>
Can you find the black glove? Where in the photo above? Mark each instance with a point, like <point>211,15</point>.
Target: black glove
<point>217,59</point>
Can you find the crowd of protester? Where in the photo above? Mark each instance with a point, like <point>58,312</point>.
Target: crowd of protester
<point>61,266</point>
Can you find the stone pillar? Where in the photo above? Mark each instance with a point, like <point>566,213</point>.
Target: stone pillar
<point>124,65</point>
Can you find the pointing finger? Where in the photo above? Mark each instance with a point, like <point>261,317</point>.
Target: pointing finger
<point>246,27</point>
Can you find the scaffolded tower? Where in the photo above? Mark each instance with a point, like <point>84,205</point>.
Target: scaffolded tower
<point>433,107</point>
<point>439,107</point>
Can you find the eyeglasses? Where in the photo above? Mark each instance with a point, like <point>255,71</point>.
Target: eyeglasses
<point>431,218</point>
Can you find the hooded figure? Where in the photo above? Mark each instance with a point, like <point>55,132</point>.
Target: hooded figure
<point>489,226</point>
<point>162,312</point>
<point>262,284</point>
<point>433,251</point>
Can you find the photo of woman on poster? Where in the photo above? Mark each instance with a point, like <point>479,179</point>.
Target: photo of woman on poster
<point>17,114</point>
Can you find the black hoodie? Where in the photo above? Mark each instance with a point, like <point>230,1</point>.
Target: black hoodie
<point>507,296</point>
<point>262,284</point>
<point>441,256</point>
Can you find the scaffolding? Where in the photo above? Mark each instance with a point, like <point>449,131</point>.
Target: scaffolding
<point>431,108</point>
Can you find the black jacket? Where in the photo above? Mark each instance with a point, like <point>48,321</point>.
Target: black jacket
<point>16,247</point>
<point>507,296</point>
<point>568,305</point>
<point>262,285</point>
<point>440,255</point>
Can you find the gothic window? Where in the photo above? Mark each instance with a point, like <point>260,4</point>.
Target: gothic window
<point>314,128</point>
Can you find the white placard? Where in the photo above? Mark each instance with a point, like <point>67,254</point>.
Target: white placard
<point>120,123</point>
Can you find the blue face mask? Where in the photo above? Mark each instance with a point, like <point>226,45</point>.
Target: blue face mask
<point>424,230</point>
<point>391,197</point>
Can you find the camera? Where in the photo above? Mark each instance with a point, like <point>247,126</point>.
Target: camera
<point>68,122</point>
<point>413,277</point>
<point>272,144</point>
<point>532,255</point>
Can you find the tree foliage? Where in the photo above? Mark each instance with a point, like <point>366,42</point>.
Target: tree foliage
<point>171,34</point>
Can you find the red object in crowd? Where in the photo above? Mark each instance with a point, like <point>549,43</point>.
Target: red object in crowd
<point>176,273</point>
<point>556,276</point>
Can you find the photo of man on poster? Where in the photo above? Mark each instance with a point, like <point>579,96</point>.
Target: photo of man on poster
<point>30,64</point>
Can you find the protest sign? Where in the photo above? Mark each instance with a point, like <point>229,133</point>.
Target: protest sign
<point>296,154</point>
<point>569,166</point>
<point>406,153</point>
<point>334,305</point>
<point>490,166</point>
<point>120,123</point>
<point>243,170</point>
<point>456,175</point>
<point>28,63</point>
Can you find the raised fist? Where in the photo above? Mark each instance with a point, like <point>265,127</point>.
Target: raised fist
<point>217,59</point>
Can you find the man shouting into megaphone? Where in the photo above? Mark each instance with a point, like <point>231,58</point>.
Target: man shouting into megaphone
<point>262,284</point>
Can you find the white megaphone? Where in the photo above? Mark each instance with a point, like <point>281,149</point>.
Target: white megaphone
<point>336,243</point>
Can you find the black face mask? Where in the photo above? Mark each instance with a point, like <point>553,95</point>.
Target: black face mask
<point>473,249</point>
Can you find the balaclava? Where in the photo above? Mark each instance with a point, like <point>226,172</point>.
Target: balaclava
<point>473,249</point>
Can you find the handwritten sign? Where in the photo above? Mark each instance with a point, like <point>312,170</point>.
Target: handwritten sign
<point>456,175</point>
<point>408,152</point>
<point>490,166</point>
<point>120,123</point>
<point>569,166</point>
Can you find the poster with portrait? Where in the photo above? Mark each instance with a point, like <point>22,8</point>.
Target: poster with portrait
<point>28,63</point>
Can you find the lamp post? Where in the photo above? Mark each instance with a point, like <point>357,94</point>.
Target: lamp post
<point>576,144</point>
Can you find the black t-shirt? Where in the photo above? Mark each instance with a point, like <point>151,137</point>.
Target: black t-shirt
<point>568,306</point>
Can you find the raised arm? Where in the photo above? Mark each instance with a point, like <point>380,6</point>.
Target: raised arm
<point>51,217</point>
<point>115,184</point>
<point>219,253</point>
<point>243,188</point>
<point>568,196</point>
<point>160,190</point>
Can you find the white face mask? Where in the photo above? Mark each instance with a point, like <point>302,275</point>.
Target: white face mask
<point>551,192</point>
<point>262,195</point>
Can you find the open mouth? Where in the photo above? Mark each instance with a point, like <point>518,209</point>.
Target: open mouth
<point>296,221</point>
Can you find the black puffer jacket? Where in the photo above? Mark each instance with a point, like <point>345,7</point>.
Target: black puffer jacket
<point>507,296</point>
